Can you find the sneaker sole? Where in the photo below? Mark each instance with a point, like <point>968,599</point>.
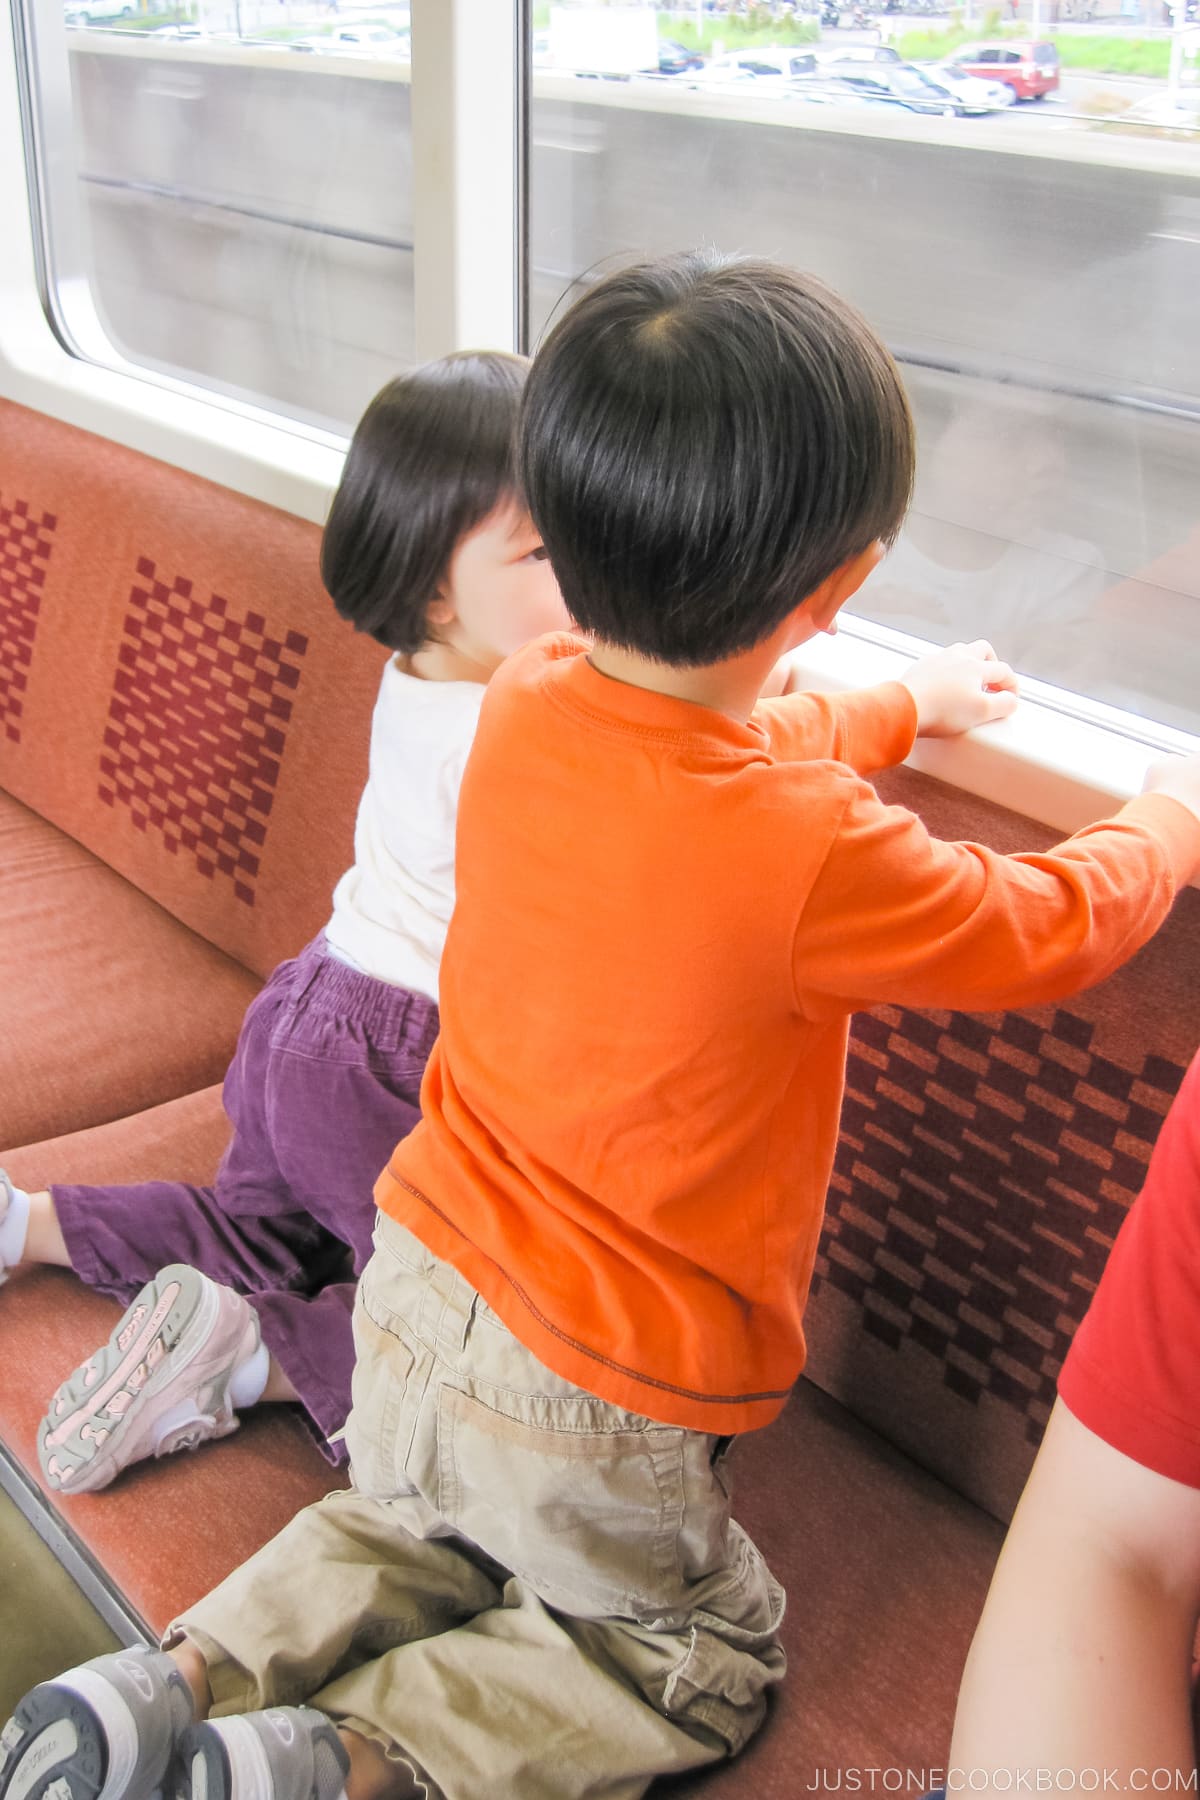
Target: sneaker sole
<point>205,1772</point>
<point>71,1740</point>
<point>178,1300</point>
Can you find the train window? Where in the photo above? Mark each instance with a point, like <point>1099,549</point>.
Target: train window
<point>224,193</point>
<point>1028,245</point>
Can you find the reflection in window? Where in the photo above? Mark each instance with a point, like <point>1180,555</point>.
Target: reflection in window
<point>214,203</point>
<point>1034,270</point>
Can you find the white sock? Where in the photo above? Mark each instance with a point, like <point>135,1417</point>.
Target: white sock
<point>14,1228</point>
<point>248,1382</point>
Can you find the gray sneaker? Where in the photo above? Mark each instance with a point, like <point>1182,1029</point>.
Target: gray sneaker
<point>107,1730</point>
<point>285,1753</point>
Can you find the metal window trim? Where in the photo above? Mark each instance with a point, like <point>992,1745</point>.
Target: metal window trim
<point>465,125</point>
<point>73,1555</point>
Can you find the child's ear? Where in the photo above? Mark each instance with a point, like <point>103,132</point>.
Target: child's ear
<point>440,612</point>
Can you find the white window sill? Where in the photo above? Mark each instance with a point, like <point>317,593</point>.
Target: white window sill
<point>1060,759</point>
<point>235,445</point>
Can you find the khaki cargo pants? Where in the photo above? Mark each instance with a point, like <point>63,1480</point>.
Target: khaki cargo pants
<point>527,1595</point>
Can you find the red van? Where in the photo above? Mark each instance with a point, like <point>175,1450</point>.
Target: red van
<point>1029,69</point>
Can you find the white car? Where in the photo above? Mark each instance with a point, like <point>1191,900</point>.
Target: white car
<point>359,40</point>
<point>978,94</point>
<point>766,71</point>
<point>857,53</point>
<point>95,12</point>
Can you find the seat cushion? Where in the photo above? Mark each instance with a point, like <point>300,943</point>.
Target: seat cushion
<point>107,1004</point>
<point>166,1532</point>
<point>884,1567</point>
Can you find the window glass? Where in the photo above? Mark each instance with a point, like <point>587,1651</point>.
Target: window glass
<point>226,193</point>
<point>1033,268</point>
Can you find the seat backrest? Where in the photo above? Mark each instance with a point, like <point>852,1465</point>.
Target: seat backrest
<point>986,1163</point>
<point>176,690</point>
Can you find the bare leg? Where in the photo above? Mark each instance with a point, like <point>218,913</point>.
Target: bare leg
<point>278,1386</point>
<point>373,1776</point>
<point>194,1669</point>
<point>44,1241</point>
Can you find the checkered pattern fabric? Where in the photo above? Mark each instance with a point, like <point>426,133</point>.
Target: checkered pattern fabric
<point>197,724</point>
<point>984,1169</point>
<point>25,542</point>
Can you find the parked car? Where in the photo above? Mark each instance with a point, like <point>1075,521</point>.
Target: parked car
<point>981,95</point>
<point>358,40</point>
<point>675,59</point>
<point>901,84</point>
<point>860,53</point>
<point>826,91</point>
<point>1030,69</point>
<point>95,12</point>
<point>768,70</point>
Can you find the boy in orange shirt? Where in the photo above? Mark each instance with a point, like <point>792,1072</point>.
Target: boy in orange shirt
<point>593,1253</point>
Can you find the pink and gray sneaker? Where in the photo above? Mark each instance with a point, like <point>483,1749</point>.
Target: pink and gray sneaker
<point>161,1383</point>
<point>6,1200</point>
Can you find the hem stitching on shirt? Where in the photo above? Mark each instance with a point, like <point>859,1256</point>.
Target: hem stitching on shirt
<point>608,1362</point>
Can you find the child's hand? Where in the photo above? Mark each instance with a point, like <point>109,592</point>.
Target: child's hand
<point>1179,778</point>
<point>959,688</point>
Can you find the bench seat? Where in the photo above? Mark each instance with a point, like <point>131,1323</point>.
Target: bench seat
<point>109,1005</point>
<point>885,1568</point>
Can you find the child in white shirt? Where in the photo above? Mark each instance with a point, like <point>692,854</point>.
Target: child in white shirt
<point>429,549</point>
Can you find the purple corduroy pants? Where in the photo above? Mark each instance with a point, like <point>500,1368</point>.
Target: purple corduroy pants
<point>323,1085</point>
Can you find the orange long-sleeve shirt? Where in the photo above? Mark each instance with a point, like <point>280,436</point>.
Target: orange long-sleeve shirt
<point>664,921</point>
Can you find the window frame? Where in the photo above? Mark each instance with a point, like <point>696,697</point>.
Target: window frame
<point>465,271</point>
<point>1062,759</point>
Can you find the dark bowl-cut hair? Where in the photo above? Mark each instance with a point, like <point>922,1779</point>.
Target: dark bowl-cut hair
<point>433,455</point>
<point>704,440</point>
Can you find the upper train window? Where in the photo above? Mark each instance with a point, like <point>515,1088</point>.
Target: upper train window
<point>224,189</point>
<point>1023,227</point>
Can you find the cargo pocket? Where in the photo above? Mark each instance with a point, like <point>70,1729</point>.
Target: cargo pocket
<point>586,1513</point>
<point>733,1656</point>
<point>383,1364</point>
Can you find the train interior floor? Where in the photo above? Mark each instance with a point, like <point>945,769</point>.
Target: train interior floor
<point>46,1625</point>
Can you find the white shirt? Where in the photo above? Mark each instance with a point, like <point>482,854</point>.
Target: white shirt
<point>391,910</point>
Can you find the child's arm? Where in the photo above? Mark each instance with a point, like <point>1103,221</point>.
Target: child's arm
<point>1081,1659</point>
<point>897,915</point>
<point>869,729</point>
